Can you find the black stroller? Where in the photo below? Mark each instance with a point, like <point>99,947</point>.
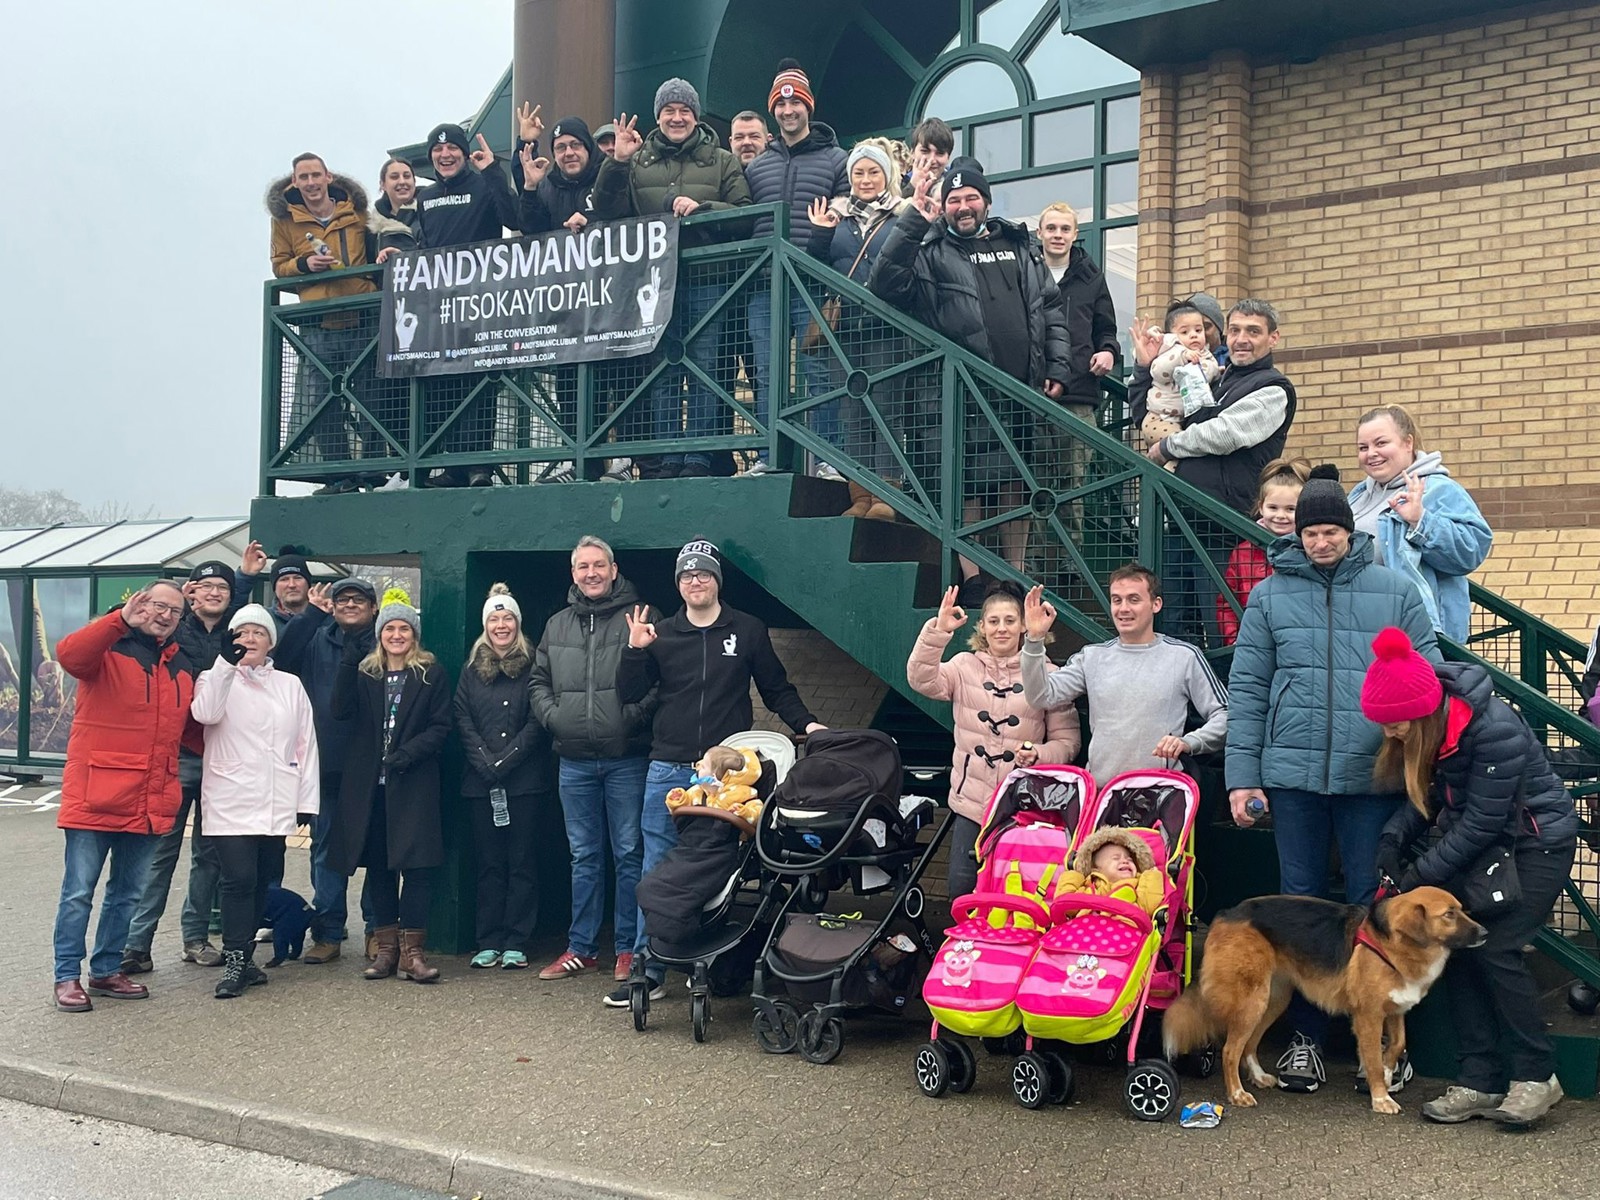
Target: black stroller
<point>706,905</point>
<point>838,822</point>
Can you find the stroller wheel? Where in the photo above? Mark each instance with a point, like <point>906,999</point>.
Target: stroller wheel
<point>1151,1090</point>
<point>820,1040</point>
<point>1030,1080</point>
<point>1062,1081</point>
<point>963,1066</point>
<point>1202,1064</point>
<point>639,1003</point>
<point>777,1030</point>
<point>932,1069</point>
<point>700,1015</point>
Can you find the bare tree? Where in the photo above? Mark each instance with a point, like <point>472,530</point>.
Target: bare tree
<point>108,511</point>
<point>19,507</point>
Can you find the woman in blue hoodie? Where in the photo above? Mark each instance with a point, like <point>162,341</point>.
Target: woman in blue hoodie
<point>1422,522</point>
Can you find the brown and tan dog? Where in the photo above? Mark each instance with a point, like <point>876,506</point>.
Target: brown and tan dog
<point>1374,966</point>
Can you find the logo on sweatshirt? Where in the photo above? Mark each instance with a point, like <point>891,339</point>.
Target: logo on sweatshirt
<point>730,646</point>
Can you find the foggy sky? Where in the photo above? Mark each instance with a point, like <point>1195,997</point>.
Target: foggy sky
<point>140,139</point>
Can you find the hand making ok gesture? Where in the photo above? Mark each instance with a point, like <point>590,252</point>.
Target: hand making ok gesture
<point>1038,614</point>
<point>951,615</point>
<point>641,630</point>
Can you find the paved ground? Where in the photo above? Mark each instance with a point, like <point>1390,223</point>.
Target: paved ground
<point>502,1064</point>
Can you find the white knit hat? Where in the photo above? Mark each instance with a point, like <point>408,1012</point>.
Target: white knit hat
<point>501,600</point>
<point>254,614</point>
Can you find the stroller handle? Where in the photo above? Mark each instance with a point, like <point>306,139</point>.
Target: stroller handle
<point>1074,903</point>
<point>1025,905</point>
<point>744,827</point>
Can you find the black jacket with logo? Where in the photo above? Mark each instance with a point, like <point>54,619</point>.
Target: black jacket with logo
<point>704,680</point>
<point>470,206</point>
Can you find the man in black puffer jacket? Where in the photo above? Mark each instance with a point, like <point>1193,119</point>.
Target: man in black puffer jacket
<point>803,163</point>
<point>603,747</point>
<point>564,197</point>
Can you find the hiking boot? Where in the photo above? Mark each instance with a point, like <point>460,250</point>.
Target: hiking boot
<point>484,959</point>
<point>1527,1101</point>
<point>569,963</point>
<point>624,966</point>
<point>1461,1104</point>
<point>254,976</point>
<point>137,962</point>
<point>321,952</point>
<point>619,997</point>
<point>1300,1069</point>
<point>202,953</point>
<point>1403,1074</point>
<point>232,984</point>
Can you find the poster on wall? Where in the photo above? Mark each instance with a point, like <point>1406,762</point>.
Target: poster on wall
<point>602,293</point>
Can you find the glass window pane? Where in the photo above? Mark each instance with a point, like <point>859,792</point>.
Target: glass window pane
<point>1122,273</point>
<point>1064,135</point>
<point>1062,64</point>
<point>1022,199</point>
<point>999,146</point>
<point>12,668</point>
<point>1122,190</point>
<point>61,606</point>
<point>1122,124</point>
<point>1004,21</point>
<point>970,89</point>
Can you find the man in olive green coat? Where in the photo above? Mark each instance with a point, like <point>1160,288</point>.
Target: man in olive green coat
<point>679,168</point>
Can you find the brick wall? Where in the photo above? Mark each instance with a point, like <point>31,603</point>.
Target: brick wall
<point>1422,210</point>
<point>839,691</point>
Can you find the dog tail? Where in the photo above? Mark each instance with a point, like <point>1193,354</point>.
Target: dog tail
<point>1187,1025</point>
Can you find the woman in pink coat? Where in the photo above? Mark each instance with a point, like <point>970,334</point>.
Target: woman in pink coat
<point>995,728</point>
<point>258,780</point>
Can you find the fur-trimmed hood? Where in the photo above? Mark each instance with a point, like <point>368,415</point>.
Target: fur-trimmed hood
<point>281,195</point>
<point>487,664</point>
<point>1126,838</point>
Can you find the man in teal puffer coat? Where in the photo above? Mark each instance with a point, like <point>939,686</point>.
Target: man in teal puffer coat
<point>1297,740</point>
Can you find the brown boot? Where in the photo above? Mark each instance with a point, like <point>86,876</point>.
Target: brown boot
<point>372,946</point>
<point>879,511</point>
<point>412,965</point>
<point>387,953</point>
<point>861,501</point>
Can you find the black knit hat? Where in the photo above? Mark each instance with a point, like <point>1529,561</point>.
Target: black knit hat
<point>966,175</point>
<point>290,564</point>
<point>1322,501</point>
<point>212,569</point>
<point>444,135</point>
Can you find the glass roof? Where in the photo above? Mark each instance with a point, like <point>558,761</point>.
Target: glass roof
<point>130,545</point>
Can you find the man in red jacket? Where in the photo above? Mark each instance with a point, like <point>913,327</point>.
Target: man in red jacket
<point>120,788</point>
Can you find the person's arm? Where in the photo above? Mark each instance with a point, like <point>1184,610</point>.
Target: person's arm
<point>894,273</point>
<point>306,751</point>
<point>346,682</point>
<point>1398,835</point>
<point>1452,535</point>
<point>1047,689</point>
<point>1418,625</point>
<point>1488,799</point>
<point>1246,568</point>
<point>1057,336</point>
<point>1210,700</point>
<point>1590,682</point>
<point>289,654</point>
<point>637,673</point>
<point>1150,891</point>
<point>1139,394</point>
<point>1168,361</point>
<point>1103,324</point>
<point>287,257</point>
<point>473,748</point>
<point>820,244</point>
<point>1063,735</point>
<point>533,213</point>
<point>543,697</point>
<point>733,189</point>
<point>211,692</point>
<point>1246,422</point>
<point>82,652</point>
<point>772,682</point>
<point>1255,660</point>
<point>523,743</point>
<point>926,671</point>
<point>611,198</point>
<point>497,189</point>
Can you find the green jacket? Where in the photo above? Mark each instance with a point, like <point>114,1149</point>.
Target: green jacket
<point>661,171</point>
<point>1305,642</point>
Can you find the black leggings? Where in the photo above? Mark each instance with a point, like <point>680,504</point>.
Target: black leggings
<point>249,862</point>
<point>393,904</point>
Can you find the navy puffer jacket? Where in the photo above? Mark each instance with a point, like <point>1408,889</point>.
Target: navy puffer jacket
<point>795,175</point>
<point>1294,694</point>
<point>1484,766</point>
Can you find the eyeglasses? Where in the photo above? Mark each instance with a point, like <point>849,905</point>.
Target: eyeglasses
<point>696,577</point>
<point>164,610</point>
<point>211,586</point>
<point>349,600</point>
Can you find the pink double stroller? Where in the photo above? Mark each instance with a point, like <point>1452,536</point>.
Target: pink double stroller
<point>971,989</point>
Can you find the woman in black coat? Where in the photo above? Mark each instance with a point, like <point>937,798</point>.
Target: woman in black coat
<point>398,700</point>
<point>508,766</point>
<point>1477,779</point>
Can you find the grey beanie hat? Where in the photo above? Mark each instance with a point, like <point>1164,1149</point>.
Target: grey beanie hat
<point>677,91</point>
<point>397,606</point>
<point>1209,308</point>
<point>698,555</point>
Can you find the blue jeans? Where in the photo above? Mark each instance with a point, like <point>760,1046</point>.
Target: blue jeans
<point>204,874</point>
<point>1305,825</point>
<point>329,888</point>
<point>812,370</point>
<point>600,802</point>
<point>655,822</point>
<point>691,303</point>
<point>86,853</point>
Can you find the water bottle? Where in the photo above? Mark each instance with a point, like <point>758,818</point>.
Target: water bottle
<point>1256,808</point>
<point>502,813</point>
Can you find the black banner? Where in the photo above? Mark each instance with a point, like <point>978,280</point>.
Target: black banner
<point>602,293</point>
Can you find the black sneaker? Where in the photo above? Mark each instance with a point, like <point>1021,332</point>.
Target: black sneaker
<point>1300,1069</point>
<point>136,962</point>
<point>1403,1074</point>
<point>619,996</point>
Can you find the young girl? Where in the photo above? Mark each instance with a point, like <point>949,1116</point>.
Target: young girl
<point>1281,481</point>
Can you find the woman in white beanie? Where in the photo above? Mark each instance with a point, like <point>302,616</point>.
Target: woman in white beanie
<point>508,766</point>
<point>259,780</point>
<point>847,233</point>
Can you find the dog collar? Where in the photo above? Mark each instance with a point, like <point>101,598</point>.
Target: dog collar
<point>1363,938</point>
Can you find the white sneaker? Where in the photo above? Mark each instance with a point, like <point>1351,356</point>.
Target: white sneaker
<point>760,467</point>
<point>618,470</point>
<point>560,472</point>
<point>264,934</point>
<point>395,483</point>
<point>824,471</point>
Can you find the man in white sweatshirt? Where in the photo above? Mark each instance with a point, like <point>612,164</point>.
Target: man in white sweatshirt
<point>1140,685</point>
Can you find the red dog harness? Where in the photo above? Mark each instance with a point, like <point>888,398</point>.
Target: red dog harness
<point>1363,938</point>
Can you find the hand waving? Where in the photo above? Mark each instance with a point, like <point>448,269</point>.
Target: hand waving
<point>1038,614</point>
<point>254,560</point>
<point>822,214</point>
<point>641,630</point>
<point>1146,341</point>
<point>951,615</point>
<point>321,596</point>
<point>135,609</point>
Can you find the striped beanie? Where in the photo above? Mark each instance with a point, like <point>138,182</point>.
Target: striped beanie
<point>791,82</point>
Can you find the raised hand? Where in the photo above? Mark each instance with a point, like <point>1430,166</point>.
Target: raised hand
<point>1408,504</point>
<point>529,127</point>
<point>254,560</point>
<point>533,169</point>
<point>629,139</point>
<point>233,650</point>
<point>1146,341</point>
<point>641,630</point>
<point>1038,614</point>
<point>822,214</point>
<point>482,157</point>
<point>951,615</point>
<point>321,595</point>
<point>135,610</point>
<point>922,181</point>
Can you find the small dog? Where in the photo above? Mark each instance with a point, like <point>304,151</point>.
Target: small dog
<point>289,916</point>
<point>1374,966</point>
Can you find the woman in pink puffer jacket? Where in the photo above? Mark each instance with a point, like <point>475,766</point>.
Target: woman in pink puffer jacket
<point>995,728</point>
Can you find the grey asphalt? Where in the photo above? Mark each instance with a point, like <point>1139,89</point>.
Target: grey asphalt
<point>493,1071</point>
